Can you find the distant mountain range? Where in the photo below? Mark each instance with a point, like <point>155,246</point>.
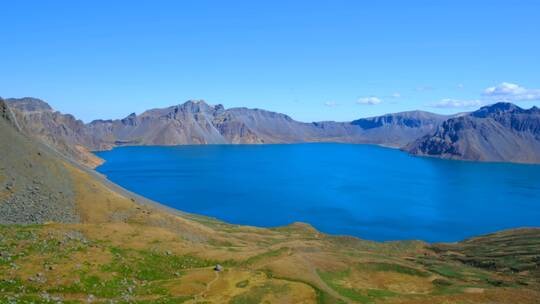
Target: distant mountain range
<point>196,122</point>
<point>500,132</point>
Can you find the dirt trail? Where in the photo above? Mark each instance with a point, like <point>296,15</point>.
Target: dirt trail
<point>201,294</point>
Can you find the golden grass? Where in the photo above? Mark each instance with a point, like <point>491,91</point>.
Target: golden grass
<point>293,264</point>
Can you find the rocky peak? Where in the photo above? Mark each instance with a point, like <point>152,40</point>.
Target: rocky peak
<point>28,104</point>
<point>130,120</point>
<point>195,106</point>
<point>219,108</point>
<point>199,106</point>
<point>496,109</point>
<point>534,110</point>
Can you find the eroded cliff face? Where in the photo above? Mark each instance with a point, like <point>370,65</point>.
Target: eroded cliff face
<point>498,132</point>
<point>62,132</point>
<point>188,123</point>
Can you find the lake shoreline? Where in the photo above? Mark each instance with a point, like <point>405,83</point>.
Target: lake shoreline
<point>338,193</point>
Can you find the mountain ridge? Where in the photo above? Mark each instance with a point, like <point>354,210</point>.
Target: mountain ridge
<point>197,122</point>
<point>497,132</point>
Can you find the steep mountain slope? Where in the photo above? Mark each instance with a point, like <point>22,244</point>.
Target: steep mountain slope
<point>34,185</point>
<point>38,184</point>
<point>272,127</point>
<point>189,123</point>
<point>62,132</point>
<point>498,132</point>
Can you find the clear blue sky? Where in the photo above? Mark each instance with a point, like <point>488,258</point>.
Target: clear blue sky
<point>313,60</point>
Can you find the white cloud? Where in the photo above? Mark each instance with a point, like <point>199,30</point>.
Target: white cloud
<point>368,101</point>
<point>511,92</point>
<point>331,104</point>
<point>457,103</point>
<point>396,95</point>
<point>505,88</point>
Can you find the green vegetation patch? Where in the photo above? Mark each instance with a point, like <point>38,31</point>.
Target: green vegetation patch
<point>135,273</point>
<point>110,288</point>
<point>388,267</point>
<point>149,266</point>
<point>323,297</point>
<point>448,271</point>
<point>333,279</point>
<point>265,255</point>
<point>507,251</point>
<point>15,242</point>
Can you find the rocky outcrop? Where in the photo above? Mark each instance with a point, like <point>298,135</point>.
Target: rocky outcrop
<point>188,123</point>
<point>29,104</point>
<point>502,132</point>
<point>7,116</point>
<point>62,132</point>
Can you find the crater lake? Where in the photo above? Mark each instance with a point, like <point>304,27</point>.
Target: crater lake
<point>366,191</point>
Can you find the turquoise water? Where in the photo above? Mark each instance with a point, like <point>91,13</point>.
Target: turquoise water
<point>362,190</point>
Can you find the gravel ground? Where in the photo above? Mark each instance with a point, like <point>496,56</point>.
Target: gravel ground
<point>34,185</point>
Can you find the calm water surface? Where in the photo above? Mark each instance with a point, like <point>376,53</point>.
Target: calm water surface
<point>362,190</point>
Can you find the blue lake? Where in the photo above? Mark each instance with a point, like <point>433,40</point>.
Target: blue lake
<point>362,190</point>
